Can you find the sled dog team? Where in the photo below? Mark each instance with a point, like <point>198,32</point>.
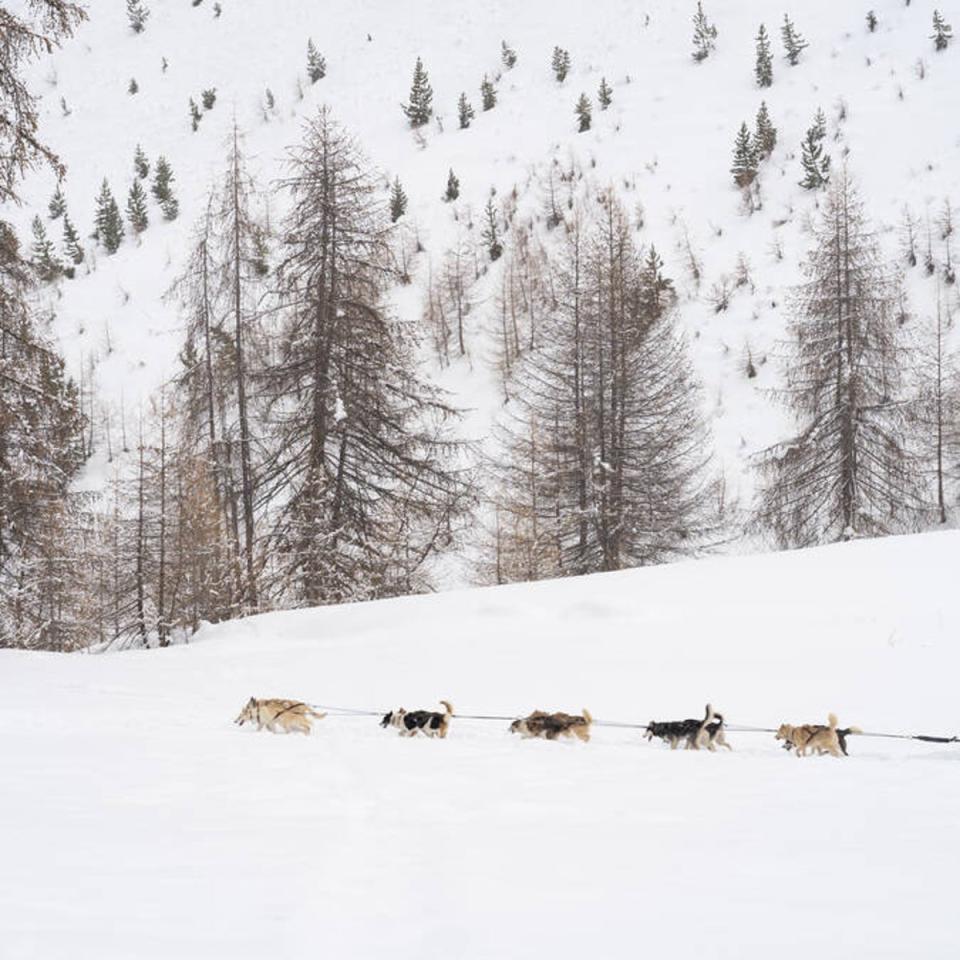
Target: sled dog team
<point>294,716</point>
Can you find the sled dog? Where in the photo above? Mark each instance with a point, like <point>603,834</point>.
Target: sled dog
<point>291,715</point>
<point>550,726</point>
<point>694,734</point>
<point>428,722</point>
<point>816,737</point>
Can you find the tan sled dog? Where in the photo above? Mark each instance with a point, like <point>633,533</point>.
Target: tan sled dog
<point>816,738</point>
<point>550,726</point>
<point>292,715</point>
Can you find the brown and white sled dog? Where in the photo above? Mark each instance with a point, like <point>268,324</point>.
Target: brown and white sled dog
<point>290,715</point>
<point>428,722</point>
<point>550,726</point>
<point>816,737</point>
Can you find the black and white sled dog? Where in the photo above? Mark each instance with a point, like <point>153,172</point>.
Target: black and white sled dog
<point>428,722</point>
<point>694,734</point>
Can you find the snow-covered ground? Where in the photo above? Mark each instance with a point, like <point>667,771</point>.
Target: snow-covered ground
<point>136,821</point>
<point>665,144</point>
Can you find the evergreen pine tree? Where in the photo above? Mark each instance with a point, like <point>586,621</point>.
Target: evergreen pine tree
<point>942,32</point>
<point>137,14</point>
<point>508,55</point>
<point>464,111</point>
<point>871,21</point>
<point>604,94</point>
<point>71,241</point>
<point>195,115</point>
<point>58,203</point>
<point>398,201</point>
<point>162,180</point>
<point>765,135</point>
<point>816,163</point>
<point>744,167</point>
<point>170,208</point>
<point>208,98</point>
<point>792,41</point>
<point>453,187</point>
<point>704,35</point>
<point>488,94</point>
<point>560,64</point>
<point>137,208</point>
<point>133,87</point>
<point>419,109</point>
<point>109,229</point>
<point>655,287</point>
<point>491,231</point>
<point>764,66</point>
<point>316,64</point>
<point>583,113</point>
<point>44,259</point>
<point>141,164</point>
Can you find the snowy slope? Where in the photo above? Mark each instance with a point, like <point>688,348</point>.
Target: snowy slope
<point>139,822</point>
<point>665,142</point>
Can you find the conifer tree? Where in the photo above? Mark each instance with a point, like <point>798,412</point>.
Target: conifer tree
<point>560,63</point>
<point>815,162</point>
<point>583,112</point>
<point>137,208</point>
<point>744,167</point>
<point>847,473</point>
<point>704,35</point>
<point>58,203</point>
<point>137,14</point>
<point>656,288</point>
<point>141,164</point>
<point>42,567</point>
<point>316,64</point>
<point>765,135</point>
<point>195,115</point>
<point>488,94</point>
<point>871,21</point>
<point>133,87</point>
<point>419,109</point>
<point>170,208</point>
<point>601,462</point>
<point>398,201</point>
<point>491,231</point>
<point>604,94</point>
<point>464,111</point>
<point>942,32</point>
<point>764,66</point>
<point>453,188</point>
<point>508,55</point>
<point>71,241</point>
<point>162,180</point>
<point>44,259</point>
<point>362,461</point>
<point>208,98</point>
<point>792,41</point>
<point>109,224</point>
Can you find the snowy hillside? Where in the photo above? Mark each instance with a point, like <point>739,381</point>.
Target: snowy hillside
<point>664,144</point>
<point>140,822</point>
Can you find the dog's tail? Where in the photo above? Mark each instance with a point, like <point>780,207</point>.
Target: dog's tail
<point>315,713</point>
<point>586,715</point>
<point>832,721</point>
<point>449,707</point>
<point>842,737</point>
